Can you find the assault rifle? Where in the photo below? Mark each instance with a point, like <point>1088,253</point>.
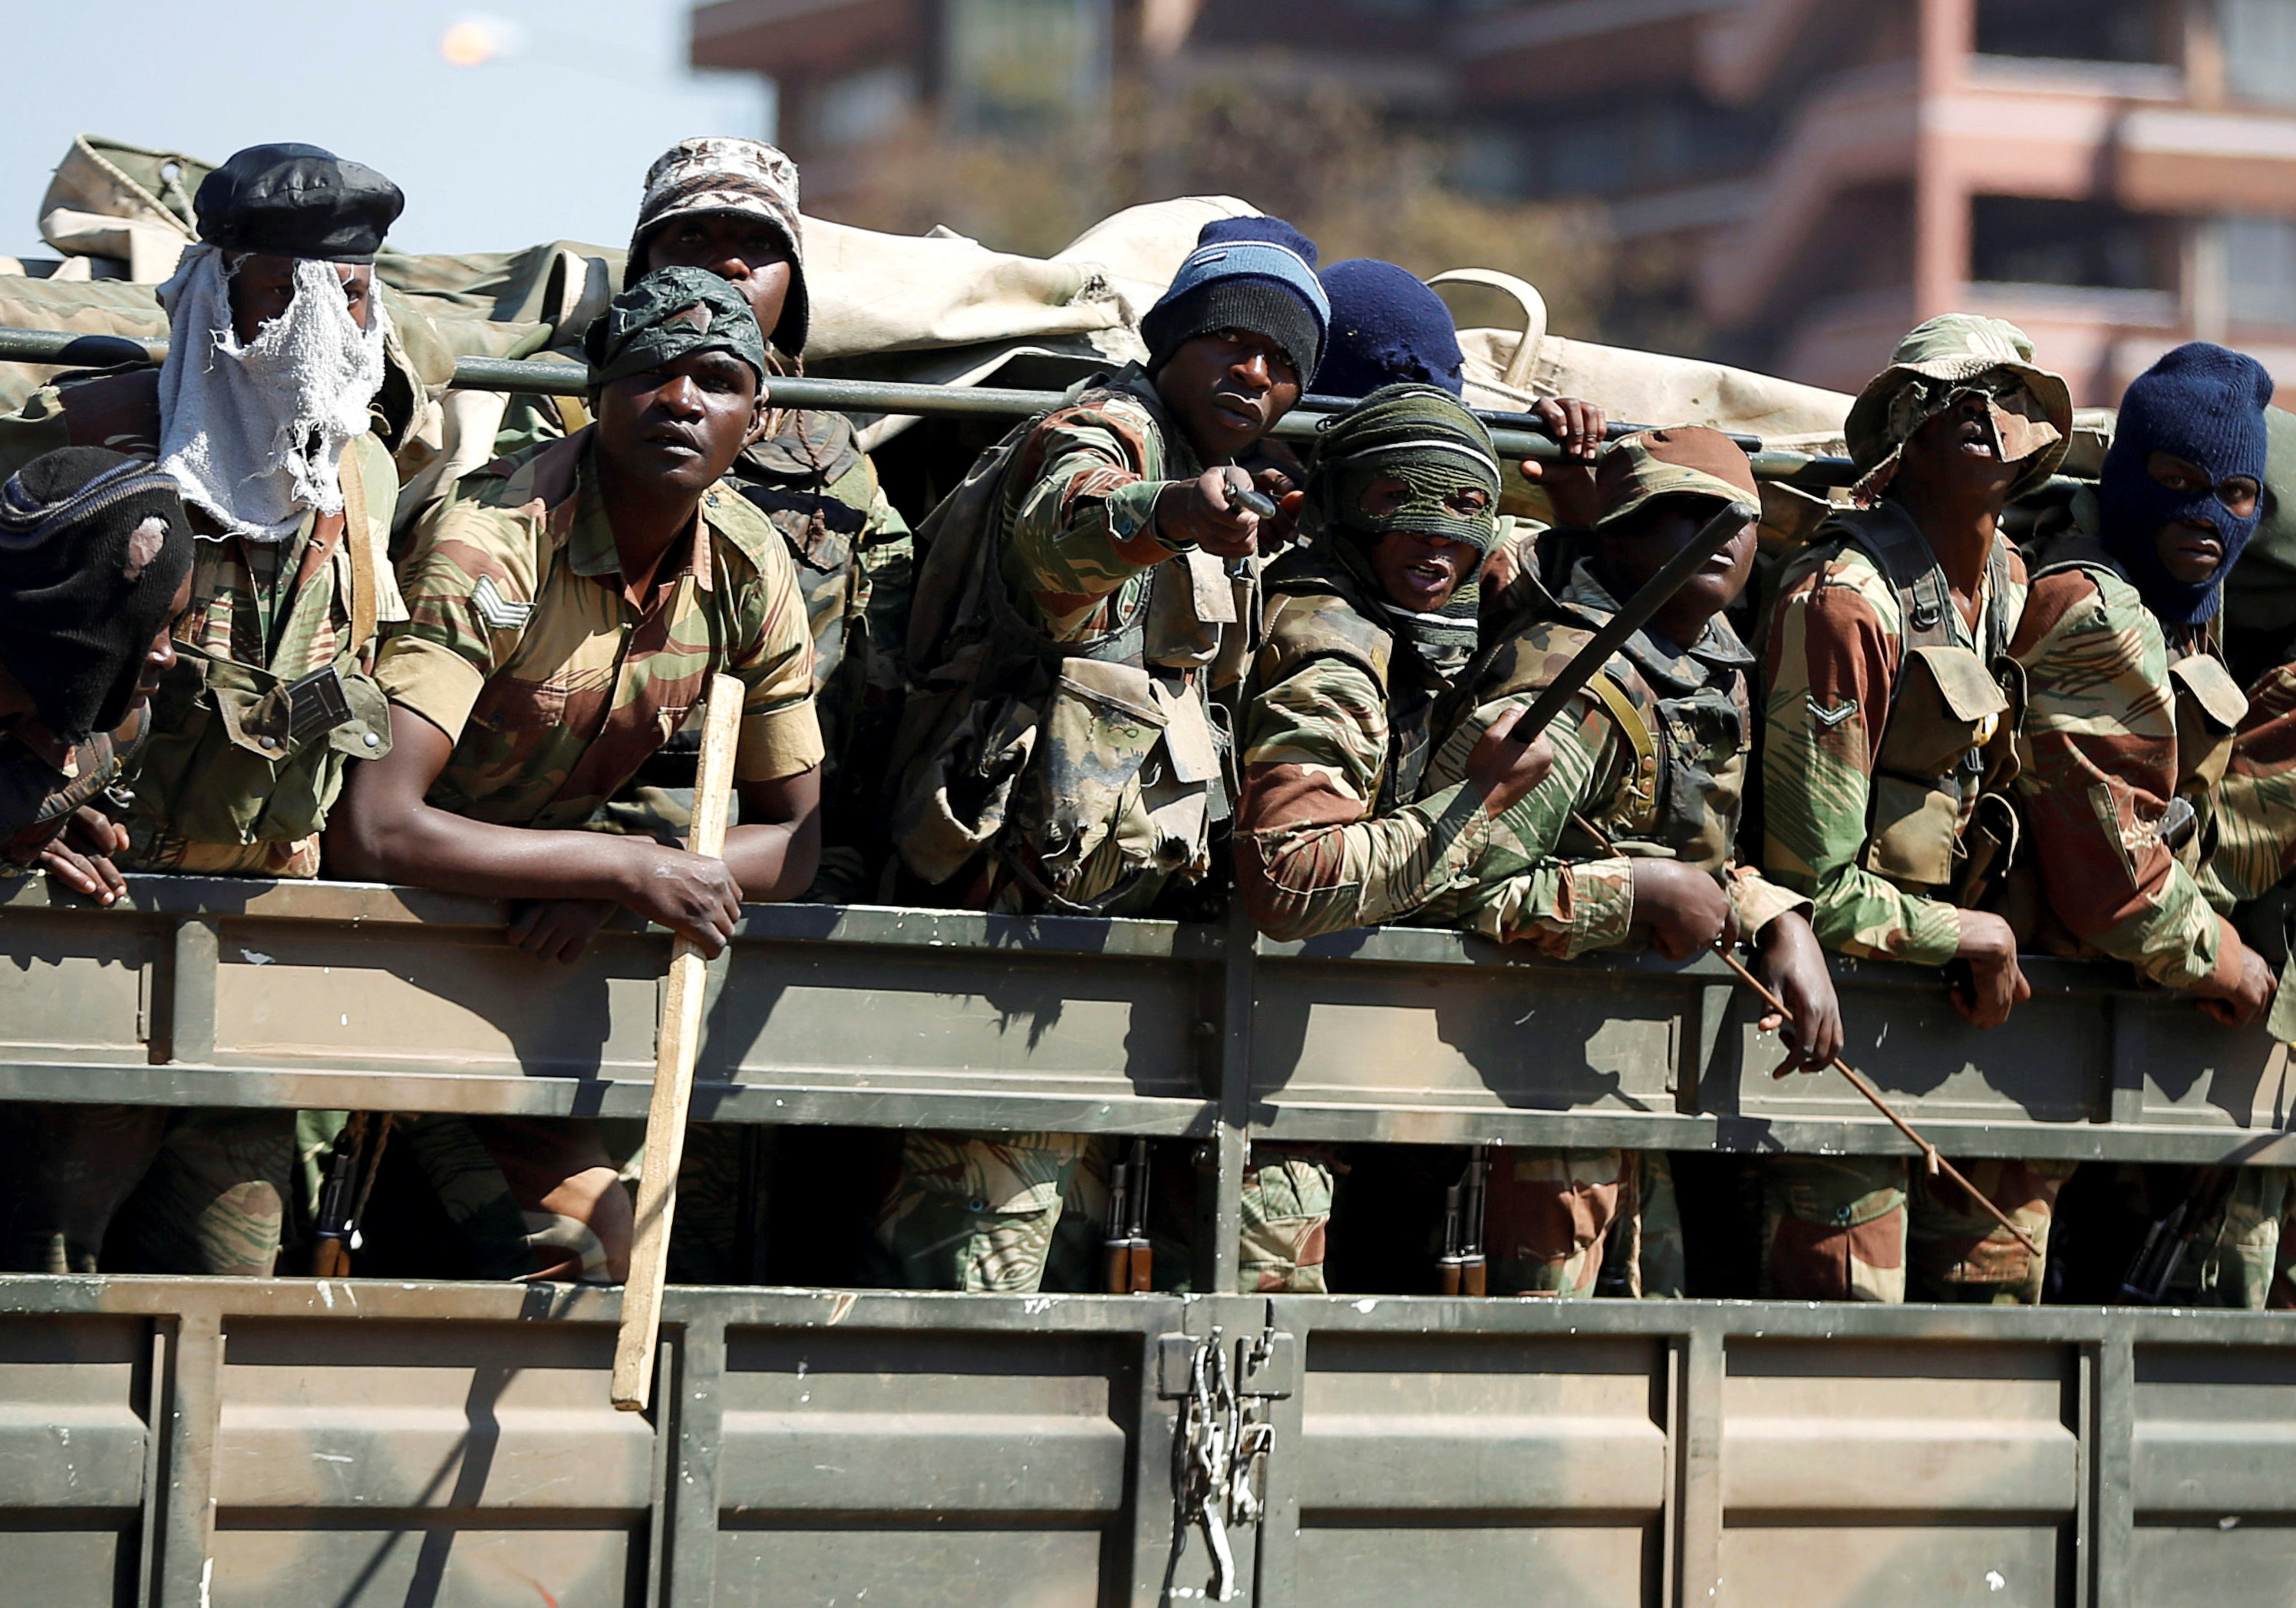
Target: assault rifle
<point>2172,1235</point>
<point>1127,1261</point>
<point>1462,1268</point>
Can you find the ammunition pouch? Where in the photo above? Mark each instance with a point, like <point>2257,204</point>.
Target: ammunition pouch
<point>2209,708</point>
<point>1083,791</point>
<point>1947,711</point>
<point>244,756</point>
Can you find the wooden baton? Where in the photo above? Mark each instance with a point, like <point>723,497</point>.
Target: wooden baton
<point>676,1038</point>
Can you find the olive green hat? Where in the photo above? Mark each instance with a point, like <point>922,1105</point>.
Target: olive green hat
<point>1944,356</point>
<point>1686,460</point>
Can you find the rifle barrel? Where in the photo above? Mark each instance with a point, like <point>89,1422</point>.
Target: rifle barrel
<point>1632,617</point>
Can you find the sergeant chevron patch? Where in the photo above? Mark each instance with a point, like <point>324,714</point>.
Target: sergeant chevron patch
<point>500,613</point>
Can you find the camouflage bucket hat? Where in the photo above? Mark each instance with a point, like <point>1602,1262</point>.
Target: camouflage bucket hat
<point>668,314</point>
<point>2033,418</point>
<point>1689,461</point>
<point>721,175</point>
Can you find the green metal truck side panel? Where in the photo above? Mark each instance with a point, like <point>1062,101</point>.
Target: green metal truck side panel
<point>214,1443</point>
<point>235,1442</point>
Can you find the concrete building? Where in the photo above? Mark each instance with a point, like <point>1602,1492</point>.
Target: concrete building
<point>1797,181</point>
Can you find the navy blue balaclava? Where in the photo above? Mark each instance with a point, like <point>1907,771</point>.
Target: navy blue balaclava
<point>2206,405</point>
<point>1387,328</point>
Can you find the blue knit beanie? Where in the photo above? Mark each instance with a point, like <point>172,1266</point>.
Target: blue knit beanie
<point>2206,405</point>
<point>1387,327</point>
<point>1256,273</point>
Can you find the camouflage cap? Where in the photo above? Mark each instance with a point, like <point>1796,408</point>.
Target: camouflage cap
<point>1687,460</point>
<point>718,174</point>
<point>1933,362</point>
<point>668,314</point>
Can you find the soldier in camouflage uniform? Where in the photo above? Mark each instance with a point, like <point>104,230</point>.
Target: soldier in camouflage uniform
<point>262,415</point>
<point>1633,835</point>
<point>730,205</point>
<point>2129,712</point>
<point>567,609</point>
<point>1368,625</point>
<point>1888,743</point>
<point>2129,728</point>
<point>1080,599</point>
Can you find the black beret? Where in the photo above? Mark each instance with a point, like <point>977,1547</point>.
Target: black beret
<point>297,200</point>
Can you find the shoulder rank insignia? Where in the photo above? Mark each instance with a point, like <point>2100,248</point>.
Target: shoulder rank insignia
<point>500,613</point>
<point>1831,718</point>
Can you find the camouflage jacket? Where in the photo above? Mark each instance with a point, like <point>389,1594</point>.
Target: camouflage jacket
<point>813,481</point>
<point>523,646</point>
<point>2255,814</point>
<point>1067,742</point>
<point>1653,756</point>
<point>1834,667</point>
<point>261,615</point>
<point>2100,766</point>
<point>1330,834</point>
<point>1079,542</point>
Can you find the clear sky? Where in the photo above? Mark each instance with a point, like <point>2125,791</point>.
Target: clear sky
<point>548,140</point>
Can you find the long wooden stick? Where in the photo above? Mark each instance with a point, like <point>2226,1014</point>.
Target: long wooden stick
<point>1936,1162</point>
<point>675,1040</point>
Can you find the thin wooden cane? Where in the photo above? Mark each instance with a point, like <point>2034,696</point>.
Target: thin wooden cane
<point>675,1040</point>
<point>1937,1163</point>
<point>1930,1158</point>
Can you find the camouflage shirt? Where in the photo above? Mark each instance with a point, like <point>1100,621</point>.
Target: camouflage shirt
<point>523,647</point>
<point>1665,783</point>
<point>1080,523</point>
<point>1835,646</point>
<point>286,608</point>
<point>1317,851</point>
<point>2098,759</point>
<point>2255,814</point>
<point>813,481</point>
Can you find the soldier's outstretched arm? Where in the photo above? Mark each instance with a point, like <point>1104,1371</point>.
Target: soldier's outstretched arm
<point>1517,890</point>
<point>384,829</point>
<point>1310,857</point>
<point>1088,520</point>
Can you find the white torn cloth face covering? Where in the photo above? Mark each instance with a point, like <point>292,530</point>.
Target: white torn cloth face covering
<point>255,434</point>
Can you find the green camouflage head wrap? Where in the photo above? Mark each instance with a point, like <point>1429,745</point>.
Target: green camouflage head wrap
<point>667,315</point>
<point>1425,438</point>
<point>2029,409</point>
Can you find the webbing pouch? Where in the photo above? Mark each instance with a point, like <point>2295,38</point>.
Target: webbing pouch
<point>1947,705</point>
<point>256,759</point>
<point>2209,708</point>
<point>1082,787</point>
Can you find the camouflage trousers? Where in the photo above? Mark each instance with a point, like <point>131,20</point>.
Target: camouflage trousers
<point>1859,1227</point>
<point>494,1176</point>
<point>1554,1217</point>
<point>1016,1213</point>
<point>2240,1256</point>
<point>720,1173</point>
<point>199,1191</point>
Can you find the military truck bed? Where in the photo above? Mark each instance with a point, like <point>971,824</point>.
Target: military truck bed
<point>219,1442</point>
